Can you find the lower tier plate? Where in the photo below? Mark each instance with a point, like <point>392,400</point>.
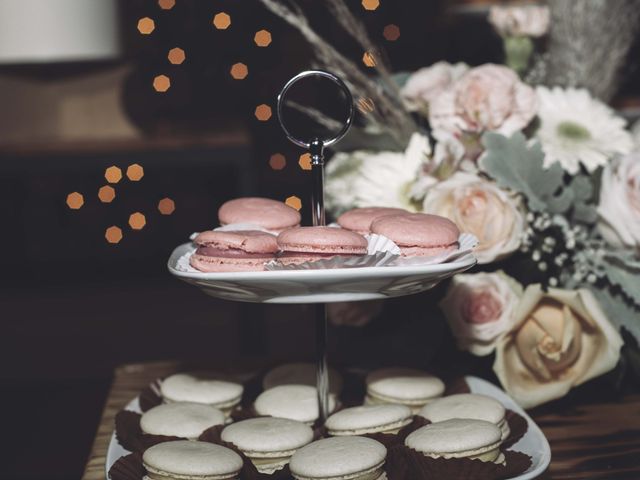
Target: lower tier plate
<point>319,286</point>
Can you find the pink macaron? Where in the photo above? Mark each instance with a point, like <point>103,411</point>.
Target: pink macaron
<point>269,214</point>
<point>359,219</point>
<point>419,234</point>
<point>308,244</point>
<point>238,251</point>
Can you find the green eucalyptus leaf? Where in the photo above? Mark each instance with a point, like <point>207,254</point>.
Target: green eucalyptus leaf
<point>582,187</point>
<point>516,166</point>
<point>401,78</point>
<point>585,213</point>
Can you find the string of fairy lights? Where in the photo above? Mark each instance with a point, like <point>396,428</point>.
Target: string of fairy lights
<point>239,71</point>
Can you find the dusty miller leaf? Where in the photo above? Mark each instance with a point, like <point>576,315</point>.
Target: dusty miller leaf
<point>584,210</point>
<point>519,167</point>
<point>624,277</point>
<point>619,312</point>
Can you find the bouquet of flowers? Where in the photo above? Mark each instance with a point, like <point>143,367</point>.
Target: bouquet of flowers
<point>546,177</point>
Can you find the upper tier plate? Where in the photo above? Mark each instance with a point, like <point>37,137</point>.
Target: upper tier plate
<point>319,286</point>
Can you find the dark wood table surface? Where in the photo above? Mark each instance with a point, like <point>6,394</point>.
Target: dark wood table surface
<point>594,441</point>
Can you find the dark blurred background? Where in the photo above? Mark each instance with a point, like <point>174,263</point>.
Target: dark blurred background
<point>120,139</point>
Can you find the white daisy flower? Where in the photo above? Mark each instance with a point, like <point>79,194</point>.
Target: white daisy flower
<point>375,179</point>
<point>577,129</point>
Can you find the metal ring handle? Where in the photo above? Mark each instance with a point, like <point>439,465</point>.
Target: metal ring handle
<point>334,79</point>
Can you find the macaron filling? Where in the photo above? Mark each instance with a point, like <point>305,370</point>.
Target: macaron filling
<point>230,253</point>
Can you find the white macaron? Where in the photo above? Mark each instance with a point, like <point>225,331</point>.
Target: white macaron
<point>199,388</point>
<point>189,460</point>
<point>268,442</point>
<point>340,458</point>
<point>369,419</point>
<point>300,374</point>
<point>181,419</point>
<point>467,405</point>
<point>405,386</point>
<point>458,438</point>
<point>296,402</point>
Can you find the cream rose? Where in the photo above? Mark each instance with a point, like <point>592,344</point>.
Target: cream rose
<point>480,308</point>
<point>560,339</point>
<point>520,21</point>
<point>426,84</point>
<point>489,97</point>
<point>480,207</point>
<point>619,208</point>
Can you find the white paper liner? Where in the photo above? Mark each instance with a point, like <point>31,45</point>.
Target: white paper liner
<point>380,252</point>
<point>466,243</point>
<point>183,265</point>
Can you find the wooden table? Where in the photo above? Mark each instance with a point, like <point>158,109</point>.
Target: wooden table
<point>597,441</point>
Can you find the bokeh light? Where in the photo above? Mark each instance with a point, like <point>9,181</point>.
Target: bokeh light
<point>369,59</point>
<point>277,161</point>
<point>113,174</point>
<point>365,105</point>
<point>176,56</point>
<point>137,221</point>
<point>166,4</point>
<point>146,25</point>
<point>222,21</point>
<point>391,32</point>
<point>262,38</point>
<point>370,4</point>
<point>106,194</point>
<point>75,201</point>
<point>135,172</point>
<point>166,206</point>
<point>113,234</point>
<point>305,161</point>
<point>161,83</point>
<point>263,112</point>
<point>294,202</point>
<point>239,71</point>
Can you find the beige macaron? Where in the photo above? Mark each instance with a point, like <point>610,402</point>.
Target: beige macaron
<point>181,419</point>
<point>201,388</point>
<point>369,419</point>
<point>467,405</point>
<point>458,438</point>
<point>189,460</point>
<point>296,402</point>
<point>404,386</point>
<point>300,373</point>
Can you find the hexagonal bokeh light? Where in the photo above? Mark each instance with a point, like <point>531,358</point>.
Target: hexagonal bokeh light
<point>366,105</point>
<point>370,4</point>
<point>277,161</point>
<point>166,206</point>
<point>161,83</point>
<point>113,174</point>
<point>137,221</point>
<point>369,59</point>
<point>135,172</point>
<point>305,161</point>
<point>146,25</point>
<point>262,38</point>
<point>263,112</point>
<point>222,21</point>
<point>391,32</point>
<point>239,71</point>
<point>106,194</point>
<point>166,4</point>
<point>75,200</point>
<point>176,56</point>
<point>113,234</point>
<point>294,202</point>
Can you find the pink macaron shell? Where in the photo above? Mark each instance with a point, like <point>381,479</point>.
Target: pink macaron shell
<point>418,231</point>
<point>359,219</point>
<point>264,212</point>
<point>205,263</point>
<point>427,252</point>
<point>322,240</point>
<point>251,241</point>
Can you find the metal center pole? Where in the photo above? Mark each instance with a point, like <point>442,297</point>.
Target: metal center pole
<point>320,310</point>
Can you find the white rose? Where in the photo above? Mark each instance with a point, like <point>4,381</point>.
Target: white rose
<point>520,21</point>
<point>480,207</point>
<point>426,84</point>
<point>560,339</point>
<point>619,208</point>
<point>375,179</point>
<point>480,308</point>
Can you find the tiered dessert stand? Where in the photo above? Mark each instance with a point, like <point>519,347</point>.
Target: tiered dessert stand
<point>319,287</point>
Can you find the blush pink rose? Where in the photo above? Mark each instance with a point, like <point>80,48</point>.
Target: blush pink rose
<point>426,84</point>
<point>480,309</point>
<point>486,98</point>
